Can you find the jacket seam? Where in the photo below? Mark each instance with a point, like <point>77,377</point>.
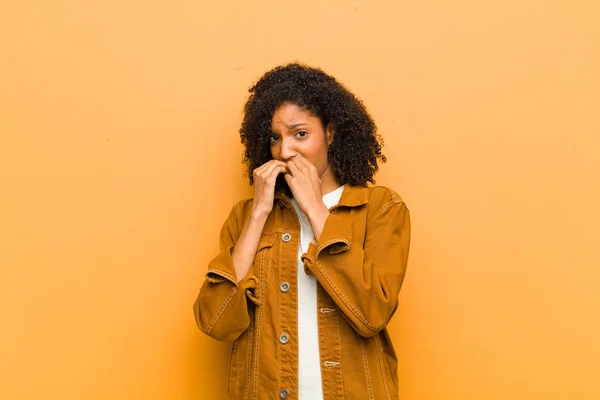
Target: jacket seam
<point>237,365</point>
<point>221,310</point>
<point>394,195</point>
<point>389,205</point>
<point>366,366</point>
<point>339,349</point>
<point>258,326</point>
<point>382,367</point>
<point>249,355</point>
<point>351,307</point>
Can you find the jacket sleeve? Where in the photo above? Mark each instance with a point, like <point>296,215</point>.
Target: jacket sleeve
<point>364,281</point>
<point>221,308</point>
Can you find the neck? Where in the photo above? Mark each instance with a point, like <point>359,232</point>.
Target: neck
<point>328,181</point>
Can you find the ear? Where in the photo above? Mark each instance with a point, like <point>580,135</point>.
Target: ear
<point>329,133</point>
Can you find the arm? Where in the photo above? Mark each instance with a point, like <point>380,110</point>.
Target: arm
<point>365,281</point>
<point>245,249</point>
<point>221,308</point>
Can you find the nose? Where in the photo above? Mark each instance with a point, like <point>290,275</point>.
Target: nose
<point>287,150</point>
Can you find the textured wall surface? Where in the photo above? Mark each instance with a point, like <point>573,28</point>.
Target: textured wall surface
<point>120,159</point>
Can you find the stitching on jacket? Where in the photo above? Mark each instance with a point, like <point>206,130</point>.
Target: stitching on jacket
<point>357,314</point>
<point>382,367</point>
<point>339,349</point>
<point>331,241</point>
<point>223,307</point>
<point>258,326</point>
<point>366,365</point>
<point>237,364</point>
<point>221,273</point>
<point>266,240</point>
<point>389,205</point>
<point>394,195</point>
<point>249,355</point>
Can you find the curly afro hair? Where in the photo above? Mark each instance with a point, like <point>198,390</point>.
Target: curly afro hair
<point>356,146</point>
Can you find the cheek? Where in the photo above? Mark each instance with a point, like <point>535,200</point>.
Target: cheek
<point>317,154</point>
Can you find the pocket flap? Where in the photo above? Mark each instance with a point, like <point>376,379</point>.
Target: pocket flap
<point>266,240</point>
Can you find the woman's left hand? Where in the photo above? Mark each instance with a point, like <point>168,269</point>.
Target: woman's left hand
<point>305,184</point>
<point>303,179</point>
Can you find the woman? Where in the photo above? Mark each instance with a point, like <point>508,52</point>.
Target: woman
<point>310,267</point>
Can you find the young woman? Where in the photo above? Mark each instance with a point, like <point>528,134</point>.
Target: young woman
<point>310,268</point>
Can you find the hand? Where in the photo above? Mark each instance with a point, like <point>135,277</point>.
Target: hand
<point>265,177</point>
<point>305,184</point>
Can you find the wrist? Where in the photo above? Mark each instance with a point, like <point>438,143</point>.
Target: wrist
<point>258,214</point>
<point>318,210</point>
<point>317,219</point>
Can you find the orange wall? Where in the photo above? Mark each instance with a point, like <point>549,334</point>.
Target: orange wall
<point>119,160</point>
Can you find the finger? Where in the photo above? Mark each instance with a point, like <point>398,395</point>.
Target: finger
<point>278,162</point>
<point>303,166</point>
<point>268,166</point>
<point>288,179</point>
<point>310,167</point>
<point>257,171</point>
<point>274,168</point>
<point>303,161</point>
<point>293,168</point>
<point>276,171</point>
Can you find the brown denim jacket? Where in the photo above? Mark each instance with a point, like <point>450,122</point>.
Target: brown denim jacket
<point>359,263</point>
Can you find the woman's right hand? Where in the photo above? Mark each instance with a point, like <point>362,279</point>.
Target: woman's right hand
<point>265,177</point>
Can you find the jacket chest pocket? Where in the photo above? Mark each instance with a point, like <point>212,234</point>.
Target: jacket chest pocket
<point>263,260</point>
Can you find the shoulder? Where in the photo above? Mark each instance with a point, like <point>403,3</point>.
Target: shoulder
<point>385,207</point>
<point>383,197</point>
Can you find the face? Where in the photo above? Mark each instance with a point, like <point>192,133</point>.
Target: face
<point>297,131</point>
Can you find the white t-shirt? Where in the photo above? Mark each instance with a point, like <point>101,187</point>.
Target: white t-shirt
<point>309,374</point>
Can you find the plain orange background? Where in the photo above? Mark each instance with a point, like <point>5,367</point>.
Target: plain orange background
<point>120,159</point>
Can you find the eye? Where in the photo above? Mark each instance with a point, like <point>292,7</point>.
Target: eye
<point>301,134</point>
<point>274,138</point>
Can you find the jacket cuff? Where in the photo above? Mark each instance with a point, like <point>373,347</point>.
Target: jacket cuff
<point>336,238</point>
<point>221,270</point>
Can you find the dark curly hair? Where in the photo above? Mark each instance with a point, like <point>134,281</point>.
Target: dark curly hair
<point>356,145</point>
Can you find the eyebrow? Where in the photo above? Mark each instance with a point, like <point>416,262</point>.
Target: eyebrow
<point>295,125</point>
<point>290,127</point>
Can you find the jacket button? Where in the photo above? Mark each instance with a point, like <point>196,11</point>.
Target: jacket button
<point>284,394</point>
<point>284,338</point>
<point>286,237</point>
<point>284,287</point>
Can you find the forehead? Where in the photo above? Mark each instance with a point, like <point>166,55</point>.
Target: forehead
<point>288,115</point>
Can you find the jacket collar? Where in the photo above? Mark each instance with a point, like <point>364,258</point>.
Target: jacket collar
<point>352,196</point>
